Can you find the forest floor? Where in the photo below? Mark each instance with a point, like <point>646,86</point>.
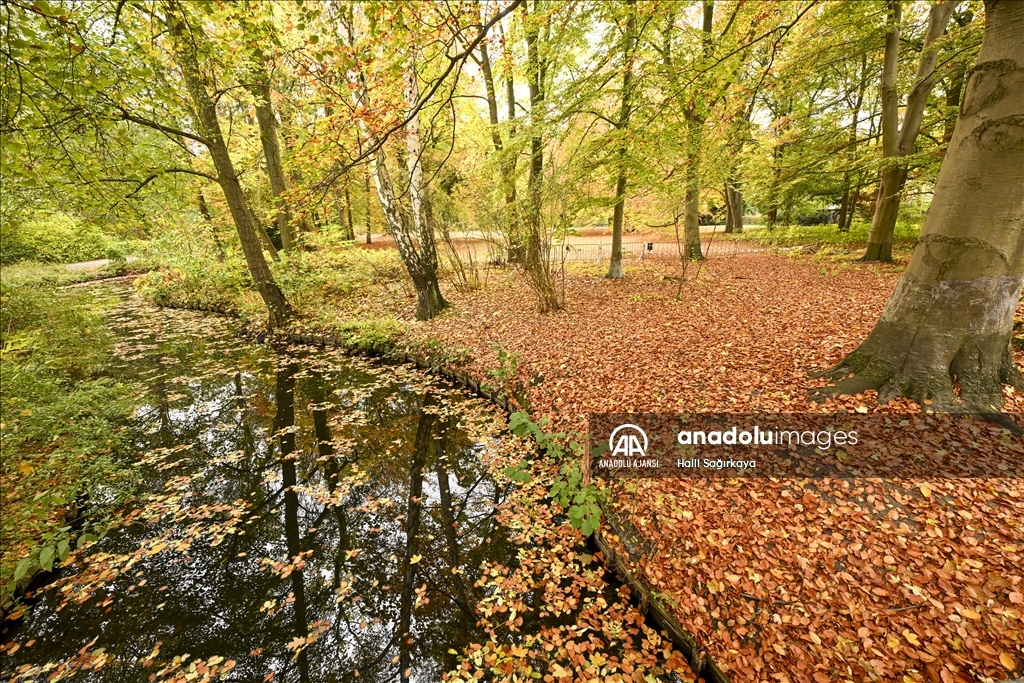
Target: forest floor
<point>777,578</point>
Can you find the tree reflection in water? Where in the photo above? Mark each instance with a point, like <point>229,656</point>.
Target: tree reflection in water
<point>307,515</point>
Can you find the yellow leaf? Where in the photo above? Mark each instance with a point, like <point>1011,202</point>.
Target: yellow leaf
<point>25,468</point>
<point>1007,661</point>
<point>970,614</point>
<point>926,490</point>
<point>862,409</point>
<point>911,638</point>
<point>415,558</point>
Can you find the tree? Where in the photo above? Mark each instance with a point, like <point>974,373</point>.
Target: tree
<point>259,86</point>
<point>420,259</point>
<point>536,261</point>
<point>696,114</point>
<point>898,140</point>
<point>187,40</point>
<point>630,41</point>
<point>950,317</point>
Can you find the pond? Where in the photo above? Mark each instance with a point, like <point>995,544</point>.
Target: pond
<point>303,515</point>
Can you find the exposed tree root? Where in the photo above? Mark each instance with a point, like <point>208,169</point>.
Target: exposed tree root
<point>969,384</point>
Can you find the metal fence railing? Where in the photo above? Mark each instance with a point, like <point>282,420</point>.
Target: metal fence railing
<point>643,250</point>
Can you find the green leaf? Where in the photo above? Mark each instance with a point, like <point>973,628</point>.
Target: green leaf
<point>46,558</point>
<point>23,569</point>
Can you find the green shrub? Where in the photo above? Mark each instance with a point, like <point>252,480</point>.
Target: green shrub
<point>57,238</point>
<point>378,336</point>
<point>62,423</point>
<point>190,283</point>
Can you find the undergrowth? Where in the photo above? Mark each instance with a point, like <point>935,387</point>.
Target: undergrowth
<point>581,502</point>
<point>62,424</point>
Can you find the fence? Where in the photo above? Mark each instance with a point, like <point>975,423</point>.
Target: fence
<point>642,250</point>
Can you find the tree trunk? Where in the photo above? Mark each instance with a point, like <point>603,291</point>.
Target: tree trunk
<point>204,209</point>
<point>848,203</point>
<point>185,50</point>
<point>421,264</point>
<point>950,318</point>
<point>339,207</point>
<point>536,175</point>
<point>428,295</point>
<point>733,207</point>
<point>691,220</point>
<point>507,165</point>
<point>615,264</point>
<point>953,91</point>
<point>629,49</point>
<point>844,205</point>
<point>431,301</point>
<point>691,207</point>
<point>695,123</point>
<point>351,230</point>
<point>898,142</point>
<point>369,206</point>
<point>272,154</point>
<point>536,261</point>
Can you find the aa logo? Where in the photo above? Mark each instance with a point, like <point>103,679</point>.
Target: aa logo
<point>629,444</point>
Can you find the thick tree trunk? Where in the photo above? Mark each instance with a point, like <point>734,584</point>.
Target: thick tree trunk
<point>206,111</point>
<point>950,318</point>
<point>691,205</point>
<point>615,264</point>
<point>695,123</point>
<point>421,264</point>
<point>429,301</point>
<point>897,142</point>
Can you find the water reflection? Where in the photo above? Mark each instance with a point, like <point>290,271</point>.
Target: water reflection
<point>306,516</point>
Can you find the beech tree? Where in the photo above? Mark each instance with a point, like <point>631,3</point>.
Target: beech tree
<point>258,84</point>
<point>630,40</point>
<point>898,140</point>
<point>949,321</point>
<point>187,40</point>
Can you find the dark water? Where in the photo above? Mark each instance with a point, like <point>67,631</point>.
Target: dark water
<point>301,514</point>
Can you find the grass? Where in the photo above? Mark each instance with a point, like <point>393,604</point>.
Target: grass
<point>906,232</point>
<point>57,275</point>
<point>356,295</point>
<point>62,425</point>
